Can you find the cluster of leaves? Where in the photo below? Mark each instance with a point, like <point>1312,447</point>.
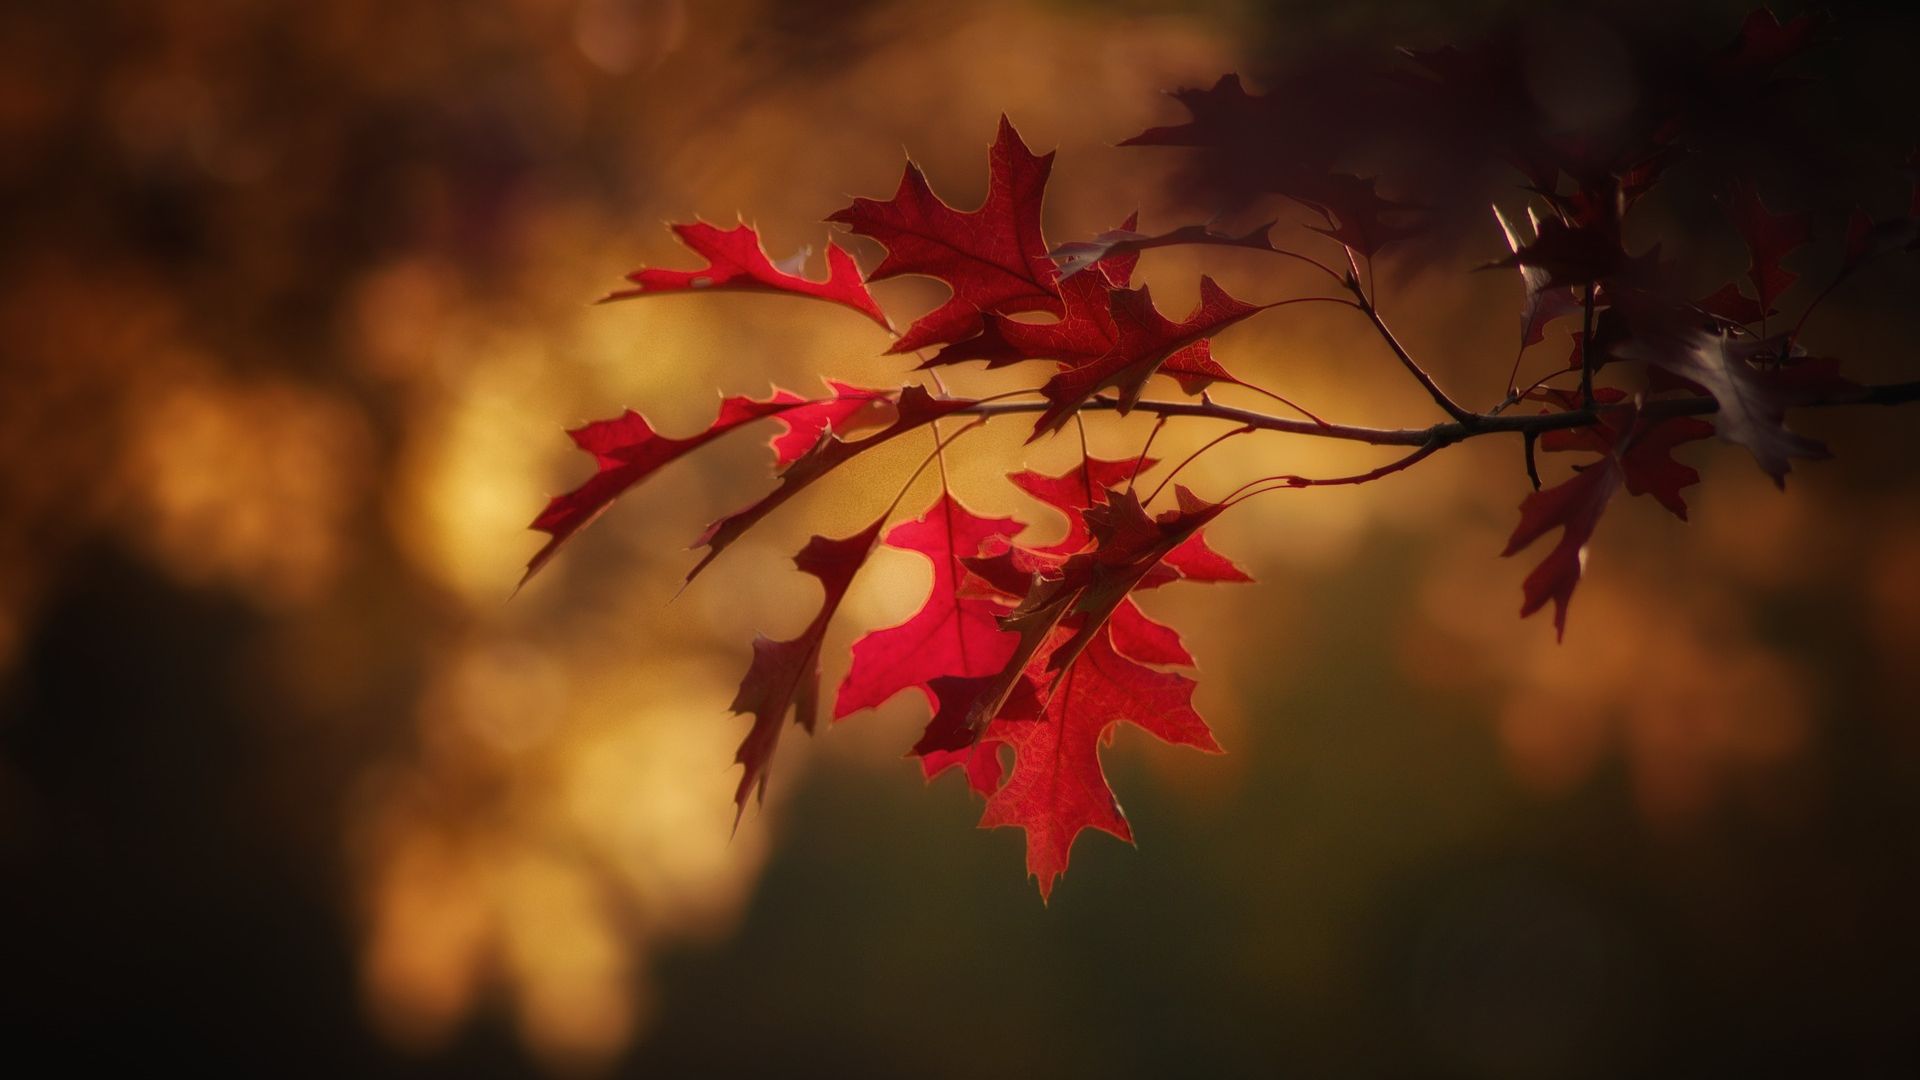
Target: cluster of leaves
<point>1040,649</point>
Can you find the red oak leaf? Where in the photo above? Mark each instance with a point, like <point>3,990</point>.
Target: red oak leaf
<point>1144,339</point>
<point>1073,492</point>
<point>1056,787</point>
<point>1544,303</point>
<point>1360,218</point>
<point>1574,507</point>
<point>951,635</point>
<point>1241,131</point>
<point>626,451</point>
<point>1078,256</point>
<point>785,675</point>
<point>1221,115</point>
<point>1770,238</point>
<point>1868,239</point>
<point>1764,43</point>
<point>1754,389</point>
<point>1730,305</point>
<point>1138,637</point>
<point>1646,463</point>
<point>1128,548</point>
<point>994,259</point>
<point>950,744</point>
<point>1086,332</point>
<point>736,262</point>
<point>915,409</point>
<point>1563,255</point>
<point>848,408</point>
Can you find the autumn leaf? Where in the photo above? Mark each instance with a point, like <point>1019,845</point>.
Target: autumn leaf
<point>627,450</point>
<point>1635,450</point>
<point>1764,43</point>
<point>1562,255</point>
<point>915,408</point>
<point>1144,339</point>
<point>737,263</point>
<point>1730,305</point>
<point>845,409</point>
<point>948,743</point>
<point>1645,447</point>
<point>1085,333</point>
<point>1221,115</point>
<point>1056,788</point>
<point>1078,256</point>
<point>1770,239</point>
<point>1359,217</point>
<point>1075,491</point>
<point>1574,507</point>
<point>951,635</point>
<point>994,259</point>
<point>784,676</point>
<point>1239,130</point>
<point>1754,390</point>
<point>1544,302</point>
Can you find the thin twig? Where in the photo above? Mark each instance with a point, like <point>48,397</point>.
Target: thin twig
<point>1459,412</point>
<point>1586,350</point>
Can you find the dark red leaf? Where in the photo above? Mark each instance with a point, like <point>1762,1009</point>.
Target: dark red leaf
<point>1770,238</point>
<point>1073,491</point>
<point>1076,257</point>
<point>1574,507</point>
<point>1144,339</point>
<point>1646,462</point>
<point>1764,43</point>
<point>1562,255</point>
<point>785,675</point>
<point>1731,305</point>
<point>1754,390</point>
<point>994,259</point>
<point>1544,302</point>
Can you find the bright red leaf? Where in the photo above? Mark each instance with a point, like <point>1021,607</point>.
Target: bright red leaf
<point>951,634</point>
<point>737,263</point>
<point>626,450</point>
<point>1056,788</point>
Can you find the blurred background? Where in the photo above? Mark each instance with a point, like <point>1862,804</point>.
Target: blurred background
<point>295,308</point>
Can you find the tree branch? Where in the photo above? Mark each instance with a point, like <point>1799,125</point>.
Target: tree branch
<point>1471,425</point>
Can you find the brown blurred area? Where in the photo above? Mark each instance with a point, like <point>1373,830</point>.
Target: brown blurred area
<point>294,303</point>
